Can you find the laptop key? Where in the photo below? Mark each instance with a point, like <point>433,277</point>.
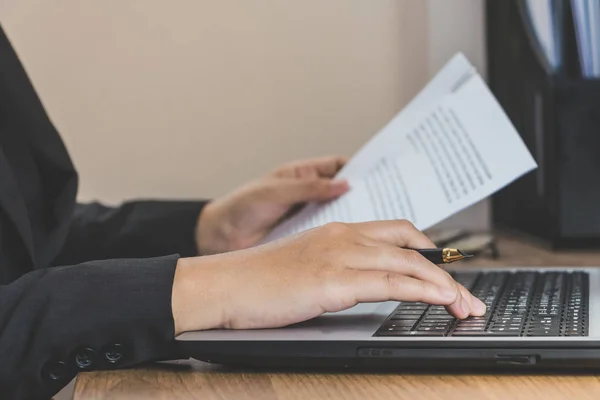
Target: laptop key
<point>432,329</point>
<point>438,312</point>
<point>543,332</point>
<point>410,312</point>
<point>412,306</point>
<point>484,333</point>
<point>396,329</point>
<point>427,333</point>
<point>433,324</point>
<point>504,325</point>
<point>406,317</point>
<point>439,317</point>
<point>471,323</point>
<point>401,322</point>
<point>392,333</point>
<point>570,327</point>
<point>476,318</point>
<point>469,328</point>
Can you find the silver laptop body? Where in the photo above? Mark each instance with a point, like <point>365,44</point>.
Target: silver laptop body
<point>348,339</point>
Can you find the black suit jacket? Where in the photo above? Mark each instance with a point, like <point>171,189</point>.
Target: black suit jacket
<point>61,312</point>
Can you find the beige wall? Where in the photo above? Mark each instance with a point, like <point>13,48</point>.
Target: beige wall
<point>189,98</point>
<point>456,25</point>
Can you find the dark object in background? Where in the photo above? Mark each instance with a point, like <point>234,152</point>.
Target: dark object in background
<point>558,115</point>
<point>475,244</point>
<point>478,244</point>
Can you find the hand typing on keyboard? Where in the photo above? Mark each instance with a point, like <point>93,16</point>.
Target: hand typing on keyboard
<point>326,269</point>
<point>518,304</point>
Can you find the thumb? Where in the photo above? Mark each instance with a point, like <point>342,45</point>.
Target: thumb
<point>314,189</point>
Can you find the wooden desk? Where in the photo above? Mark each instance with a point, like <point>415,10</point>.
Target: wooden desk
<point>197,380</point>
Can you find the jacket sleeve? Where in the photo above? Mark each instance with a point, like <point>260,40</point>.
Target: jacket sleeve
<point>105,304</point>
<point>134,230</point>
<point>56,322</point>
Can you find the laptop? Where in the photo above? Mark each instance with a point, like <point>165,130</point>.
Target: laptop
<point>537,318</point>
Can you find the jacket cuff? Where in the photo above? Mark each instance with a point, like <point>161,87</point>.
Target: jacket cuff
<point>100,315</point>
<point>172,225</point>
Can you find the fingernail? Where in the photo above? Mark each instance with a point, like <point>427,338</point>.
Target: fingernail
<point>340,186</point>
<point>465,306</point>
<point>479,306</point>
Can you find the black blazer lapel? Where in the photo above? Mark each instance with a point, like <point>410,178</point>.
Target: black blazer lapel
<point>13,205</point>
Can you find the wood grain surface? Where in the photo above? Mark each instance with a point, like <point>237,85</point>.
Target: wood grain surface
<point>197,380</point>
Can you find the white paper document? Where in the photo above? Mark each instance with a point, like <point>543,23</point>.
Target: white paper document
<point>451,147</point>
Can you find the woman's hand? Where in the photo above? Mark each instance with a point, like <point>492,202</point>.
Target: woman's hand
<point>326,269</point>
<point>244,217</point>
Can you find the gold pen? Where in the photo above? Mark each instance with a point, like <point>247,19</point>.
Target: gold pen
<point>443,256</point>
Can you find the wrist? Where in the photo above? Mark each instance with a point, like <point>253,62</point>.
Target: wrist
<point>213,232</point>
<point>195,301</point>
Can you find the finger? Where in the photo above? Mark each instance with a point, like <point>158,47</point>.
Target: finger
<point>477,306</point>
<point>467,305</point>
<point>306,172</point>
<point>291,191</point>
<point>328,167</point>
<point>324,167</point>
<point>375,286</point>
<point>461,307</point>
<point>410,263</point>
<point>384,257</point>
<point>399,233</point>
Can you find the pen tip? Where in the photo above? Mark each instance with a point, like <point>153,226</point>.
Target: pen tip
<point>464,254</point>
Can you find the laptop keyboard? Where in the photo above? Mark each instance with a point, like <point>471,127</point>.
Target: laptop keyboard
<point>518,304</point>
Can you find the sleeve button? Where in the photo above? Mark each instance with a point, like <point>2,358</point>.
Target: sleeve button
<point>55,371</point>
<point>85,358</point>
<point>114,353</point>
